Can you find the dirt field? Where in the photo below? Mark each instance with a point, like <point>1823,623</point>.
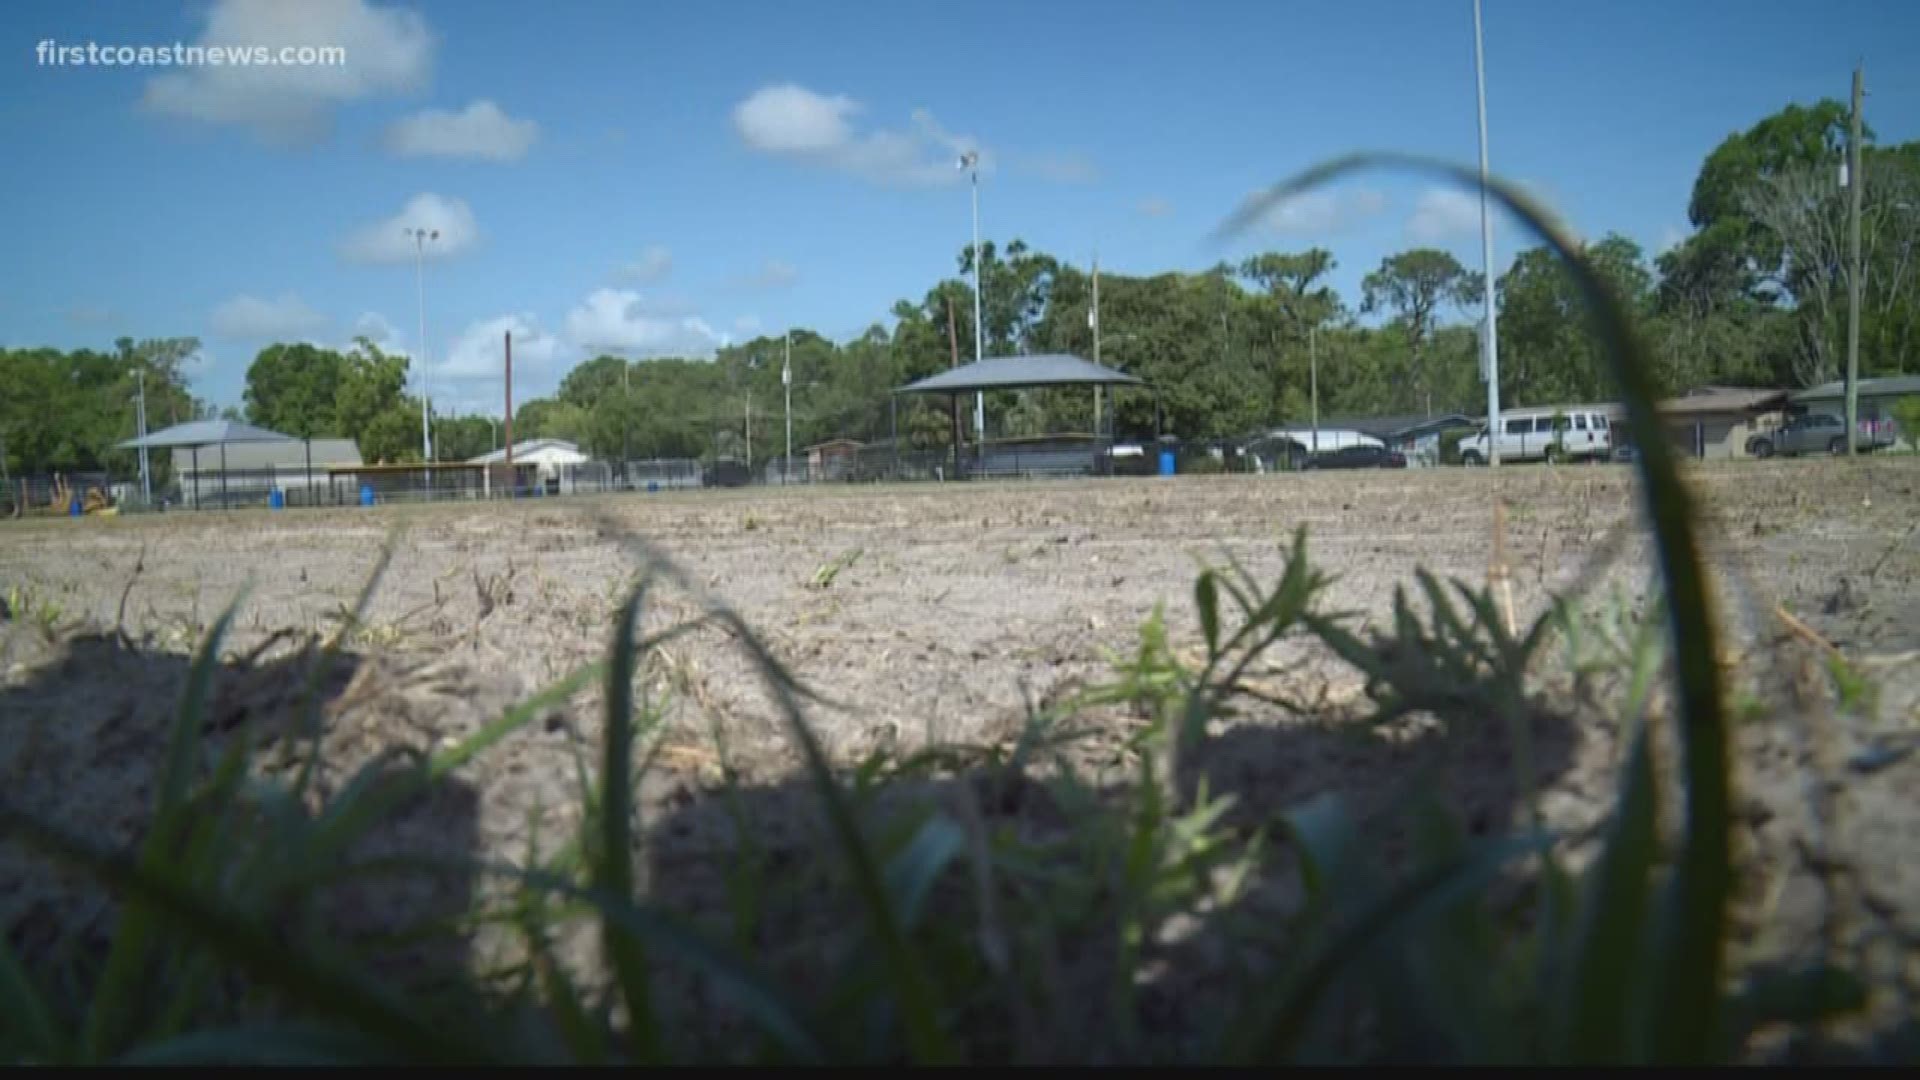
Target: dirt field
<point>937,614</point>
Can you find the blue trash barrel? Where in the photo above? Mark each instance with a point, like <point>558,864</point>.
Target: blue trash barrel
<point>1166,463</point>
<point>653,486</point>
<point>74,509</point>
<point>277,499</point>
<point>366,494</point>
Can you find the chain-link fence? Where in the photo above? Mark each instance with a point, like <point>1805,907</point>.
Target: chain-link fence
<point>55,493</point>
<point>295,486</point>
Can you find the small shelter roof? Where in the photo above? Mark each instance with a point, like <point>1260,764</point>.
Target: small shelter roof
<point>1020,373</point>
<point>197,433</point>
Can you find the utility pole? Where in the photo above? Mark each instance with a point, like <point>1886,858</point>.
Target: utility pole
<point>971,162</point>
<point>953,400</point>
<point>1093,320</point>
<point>626,414</point>
<point>1489,333</point>
<point>1313,382</point>
<point>507,441</point>
<point>1855,182</point>
<point>786,384</point>
<point>420,238</point>
<point>140,415</point>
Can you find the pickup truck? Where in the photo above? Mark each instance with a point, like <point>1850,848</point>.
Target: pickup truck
<point>1815,433</point>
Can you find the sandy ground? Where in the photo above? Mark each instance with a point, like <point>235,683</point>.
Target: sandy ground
<point>938,614</point>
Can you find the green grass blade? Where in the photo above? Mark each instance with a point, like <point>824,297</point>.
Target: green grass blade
<point>1325,835</point>
<point>911,874</point>
<point>1274,1026</point>
<point>734,977</point>
<point>612,870</point>
<point>372,796</point>
<point>309,704</point>
<point>1595,999</point>
<point>1206,596</point>
<point>1690,980</point>
<point>31,1034</point>
<point>927,1038</point>
<point>262,953</point>
<point>114,1001</point>
<point>520,715</point>
<point>582,1036</point>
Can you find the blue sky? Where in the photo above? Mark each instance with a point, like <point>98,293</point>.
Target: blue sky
<point>665,177</point>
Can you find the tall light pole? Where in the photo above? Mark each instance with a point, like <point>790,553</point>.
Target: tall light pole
<point>420,238</point>
<point>1313,381</point>
<point>1489,334</point>
<point>970,162</point>
<point>1854,185</point>
<point>786,384</point>
<point>140,418</point>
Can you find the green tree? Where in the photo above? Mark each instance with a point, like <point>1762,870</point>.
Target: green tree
<point>593,380</point>
<point>1298,308</point>
<point>1549,353</point>
<point>295,389</point>
<point>370,387</point>
<point>392,436</point>
<point>462,438</point>
<point>550,418</point>
<point>1414,286</point>
<point>65,411</point>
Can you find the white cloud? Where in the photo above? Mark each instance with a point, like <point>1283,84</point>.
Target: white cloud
<point>773,274</point>
<point>819,129</point>
<point>284,316</point>
<point>387,50</point>
<point>1321,212</point>
<point>1444,214</point>
<point>652,267</point>
<point>387,241</point>
<point>1154,207</point>
<point>376,328</point>
<point>479,353</point>
<point>794,120</point>
<point>620,319</point>
<point>481,132</point>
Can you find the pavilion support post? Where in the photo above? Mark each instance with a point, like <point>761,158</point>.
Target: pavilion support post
<point>195,499</point>
<point>223,476</point>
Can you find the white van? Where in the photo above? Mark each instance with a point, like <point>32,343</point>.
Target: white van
<point>1562,433</point>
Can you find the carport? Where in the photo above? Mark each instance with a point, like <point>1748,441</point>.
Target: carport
<point>1047,370</point>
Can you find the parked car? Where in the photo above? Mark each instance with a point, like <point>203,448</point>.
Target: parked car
<point>1549,434</point>
<point>1357,457</point>
<point>1815,433</point>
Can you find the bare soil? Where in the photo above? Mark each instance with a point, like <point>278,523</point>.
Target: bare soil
<point>940,614</point>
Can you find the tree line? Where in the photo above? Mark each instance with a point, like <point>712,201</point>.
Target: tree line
<point>1755,295</point>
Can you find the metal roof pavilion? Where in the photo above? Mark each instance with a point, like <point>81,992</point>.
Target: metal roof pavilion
<point>1020,373</point>
<point>195,434</point>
